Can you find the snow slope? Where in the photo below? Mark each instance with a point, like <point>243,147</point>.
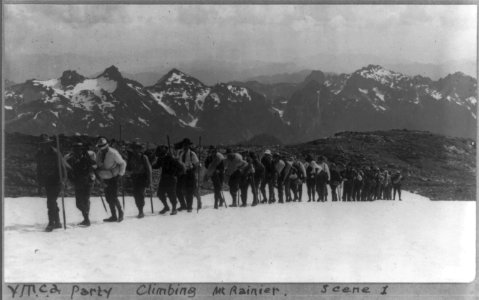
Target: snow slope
<point>382,241</point>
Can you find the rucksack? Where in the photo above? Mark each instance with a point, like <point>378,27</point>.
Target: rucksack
<point>137,164</point>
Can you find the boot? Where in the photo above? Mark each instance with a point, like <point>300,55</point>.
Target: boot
<point>120,215</point>
<point>51,223</point>
<point>173,210</point>
<point>86,220</point>
<point>234,200</point>
<point>113,217</point>
<point>57,224</point>
<point>164,210</point>
<point>110,219</point>
<point>141,215</point>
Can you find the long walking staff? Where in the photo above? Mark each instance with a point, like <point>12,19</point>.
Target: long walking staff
<point>224,200</point>
<point>198,198</point>
<point>151,182</point>
<point>151,198</point>
<point>60,170</point>
<point>121,180</point>
<point>102,201</point>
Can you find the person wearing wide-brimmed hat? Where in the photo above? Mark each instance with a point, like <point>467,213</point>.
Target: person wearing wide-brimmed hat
<point>269,176</point>
<point>187,182</point>
<point>81,166</point>
<point>322,178</point>
<point>140,171</point>
<point>110,167</point>
<point>214,164</point>
<point>171,169</point>
<point>311,169</point>
<point>49,178</point>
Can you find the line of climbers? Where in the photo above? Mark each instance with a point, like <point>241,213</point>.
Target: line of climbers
<point>180,178</point>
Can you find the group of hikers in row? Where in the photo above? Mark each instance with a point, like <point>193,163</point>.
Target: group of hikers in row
<point>180,174</point>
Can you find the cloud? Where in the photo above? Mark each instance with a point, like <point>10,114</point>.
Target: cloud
<point>241,32</point>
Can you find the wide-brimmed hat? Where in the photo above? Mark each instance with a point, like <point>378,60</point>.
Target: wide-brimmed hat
<point>136,145</point>
<point>186,141</point>
<point>267,152</point>
<point>44,139</point>
<point>102,142</point>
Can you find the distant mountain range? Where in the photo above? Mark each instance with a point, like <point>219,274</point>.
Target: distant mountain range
<point>180,105</point>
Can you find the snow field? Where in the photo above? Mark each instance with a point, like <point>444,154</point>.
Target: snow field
<point>414,240</point>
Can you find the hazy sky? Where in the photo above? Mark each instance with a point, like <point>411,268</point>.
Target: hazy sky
<point>146,34</point>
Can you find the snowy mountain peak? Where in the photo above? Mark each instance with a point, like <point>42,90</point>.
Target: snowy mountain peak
<point>380,74</point>
<point>112,73</point>
<point>176,77</point>
<point>70,78</point>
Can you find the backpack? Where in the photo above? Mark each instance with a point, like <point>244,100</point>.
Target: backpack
<point>137,165</point>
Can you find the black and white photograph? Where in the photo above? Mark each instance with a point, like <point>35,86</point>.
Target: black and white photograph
<point>206,143</point>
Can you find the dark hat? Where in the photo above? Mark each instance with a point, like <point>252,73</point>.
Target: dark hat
<point>44,139</point>
<point>309,157</point>
<point>136,145</point>
<point>102,142</point>
<point>212,148</point>
<point>161,149</point>
<point>186,141</point>
<point>229,151</point>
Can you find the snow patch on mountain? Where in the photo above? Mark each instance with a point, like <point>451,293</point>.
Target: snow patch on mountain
<point>143,121</point>
<point>239,91</point>
<point>364,91</point>
<point>200,98</point>
<point>158,97</point>
<point>278,111</point>
<point>381,75</point>
<point>379,94</point>
<point>472,100</point>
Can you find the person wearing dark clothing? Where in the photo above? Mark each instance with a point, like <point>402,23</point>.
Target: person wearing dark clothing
<point>82,165</point>
<point>288,176</point>
<point>141,175</point>
<point>311,169</point>
<point>280,175</point>
<point>49,178</point>
<point>348,183</point>
<point>234,168</point>
<point>246,180</point>
<point>357,184</point>
<point>111,167</point>
<point>335,181</point>
<point>268,178</point>
<point>367,184</point>
<point>215,170</point>
<point>170,170</point>
<point>297,177</point>
<point>322,178</point>
<point>396,180</point>
<point>259,171</point>
<point>187,183</point>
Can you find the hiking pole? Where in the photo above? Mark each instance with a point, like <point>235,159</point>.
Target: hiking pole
<point>60,170</point>
<point>102,201</point>
<point>224,200</point>
<point>198,198</point>
<point>121,178</point>
<point>151,198</point>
